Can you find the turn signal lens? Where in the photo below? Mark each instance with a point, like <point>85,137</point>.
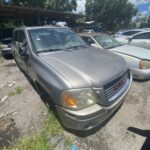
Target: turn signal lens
<point>78,98</point>
<point>144,64</point>
<point>69,101</point>
<point>141,65</point>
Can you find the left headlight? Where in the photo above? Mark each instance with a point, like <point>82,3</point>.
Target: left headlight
<point>144,64</point>
<point>78,99</point>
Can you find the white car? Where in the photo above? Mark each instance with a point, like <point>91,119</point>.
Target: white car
<point>127,33</point>
<point>5,47</point>
<point>137,58</point>
<point>141,39</point>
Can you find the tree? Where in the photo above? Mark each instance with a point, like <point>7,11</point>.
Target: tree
<point>113,14</point>
<point>4,2</point>
<point>61,5</point>
<point>29,3</point>
<point>58,5</point>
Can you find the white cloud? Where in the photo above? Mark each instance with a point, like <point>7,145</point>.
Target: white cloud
<point>81,6</point>
<point>138,2</point>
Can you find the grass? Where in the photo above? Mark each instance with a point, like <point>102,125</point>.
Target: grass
<point>18,90</point>
<point>51,128</point>
<point>39,142</point>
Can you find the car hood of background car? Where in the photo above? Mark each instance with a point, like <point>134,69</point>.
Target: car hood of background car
<point>134,51</point>
<point>86,67</point>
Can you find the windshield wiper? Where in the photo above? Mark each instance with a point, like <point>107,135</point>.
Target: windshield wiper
<point>112,47</point>
<point>77,46</point>
<point>49,50</point>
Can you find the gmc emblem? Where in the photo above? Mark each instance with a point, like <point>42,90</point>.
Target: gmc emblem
<point>118,84</point>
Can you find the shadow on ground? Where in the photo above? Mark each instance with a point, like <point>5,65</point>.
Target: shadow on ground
<point>144,133</point>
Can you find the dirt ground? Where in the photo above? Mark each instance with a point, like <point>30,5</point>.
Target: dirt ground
<point>22,113</point>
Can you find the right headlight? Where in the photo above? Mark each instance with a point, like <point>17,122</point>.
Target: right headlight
<point>78,98</point>
<point>144,64</point>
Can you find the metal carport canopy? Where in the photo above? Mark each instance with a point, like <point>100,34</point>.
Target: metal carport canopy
<point>16,12</point>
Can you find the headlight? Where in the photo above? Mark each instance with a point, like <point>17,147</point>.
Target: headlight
<point>144,64</point>
<point>78,99</point>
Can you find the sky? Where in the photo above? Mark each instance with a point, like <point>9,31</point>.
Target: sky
<point>142,5</point>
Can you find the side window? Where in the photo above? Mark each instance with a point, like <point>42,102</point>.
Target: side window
<point>130,32</point>
<point>21,37</point>
<point>142,36</point>
<point>88,40</point>
<point>15,36</point>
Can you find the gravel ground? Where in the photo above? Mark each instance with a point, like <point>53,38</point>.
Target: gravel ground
<point>22,112</point>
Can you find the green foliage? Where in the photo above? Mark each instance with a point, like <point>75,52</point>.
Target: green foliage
<point>3,2</point>
<point>18,90</point>
<point>41,141</point>
<point>59,5</point>
<point>113,14</point>
<point>52,125</point>
<point>29,3</point>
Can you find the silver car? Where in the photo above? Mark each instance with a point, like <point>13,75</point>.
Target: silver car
<point>80,79</point>
<point>141,39</point>
<point>137,58</point>
<point>127,33</point>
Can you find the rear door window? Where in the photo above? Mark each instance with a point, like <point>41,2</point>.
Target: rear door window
<point>128,33</point>
<point>142,36</point>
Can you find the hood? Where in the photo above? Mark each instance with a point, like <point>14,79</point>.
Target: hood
<point>86,67</point>
<point>134,51</point>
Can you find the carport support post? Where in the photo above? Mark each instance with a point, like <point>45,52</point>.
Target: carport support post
<point>39,19</point>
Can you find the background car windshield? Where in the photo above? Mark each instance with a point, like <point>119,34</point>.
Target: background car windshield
<point>54,39</point>
<point>107,42</point>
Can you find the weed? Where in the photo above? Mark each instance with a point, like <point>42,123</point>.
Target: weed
<point>52,125</point>
<point>40,141</point>
<point>19,90</point>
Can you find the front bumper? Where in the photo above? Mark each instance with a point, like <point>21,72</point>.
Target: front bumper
<point>140,74</point>
<point>6,51</point>
<point>90,117</point>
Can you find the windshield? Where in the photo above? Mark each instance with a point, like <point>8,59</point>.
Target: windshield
<point>107,42</point>
<point>47,40</point>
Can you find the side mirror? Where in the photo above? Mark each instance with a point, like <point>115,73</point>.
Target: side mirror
<point>22,49</point>
<point>130,39</point>
<point>94,45</point>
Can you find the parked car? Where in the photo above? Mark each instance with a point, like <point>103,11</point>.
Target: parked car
<point>5,47</point>
<point>137,58</point>
<point>141,39</point>
<point>80,80</point>
<point>127,33</point>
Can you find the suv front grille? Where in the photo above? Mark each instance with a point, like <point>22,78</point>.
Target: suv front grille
<point>117,87</point>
